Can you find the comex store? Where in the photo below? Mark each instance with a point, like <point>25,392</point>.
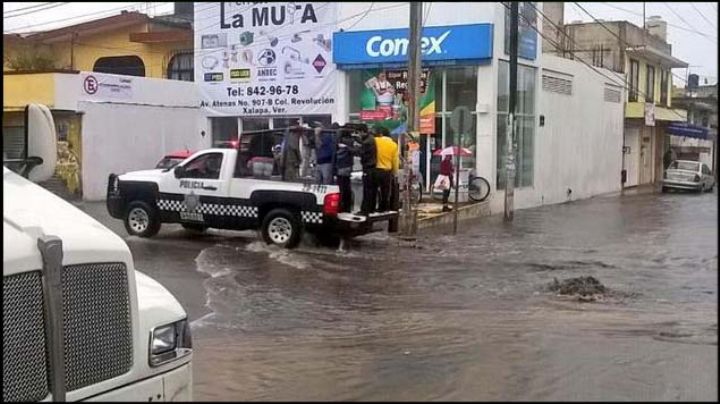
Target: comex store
<point>463,64</point>
<point>260,67</point>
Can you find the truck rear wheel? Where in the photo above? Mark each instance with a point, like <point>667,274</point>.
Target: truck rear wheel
<point>282,228</point>
<point>141,219</point>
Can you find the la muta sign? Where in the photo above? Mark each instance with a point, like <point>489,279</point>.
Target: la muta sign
<point>268,15</point>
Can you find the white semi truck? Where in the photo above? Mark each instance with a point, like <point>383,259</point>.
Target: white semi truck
<point>79,322</point>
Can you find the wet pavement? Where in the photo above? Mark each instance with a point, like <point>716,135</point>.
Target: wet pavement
<point>457,318</point>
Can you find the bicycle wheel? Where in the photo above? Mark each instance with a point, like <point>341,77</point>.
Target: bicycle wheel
<point>478,189</point>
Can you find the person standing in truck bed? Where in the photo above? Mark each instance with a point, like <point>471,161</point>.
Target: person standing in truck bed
<point>388,163</point>
<point>368,158</point>
<point>343,168</point>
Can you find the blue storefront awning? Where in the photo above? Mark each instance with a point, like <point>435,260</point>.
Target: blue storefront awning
<point>687,130</point>
<point>465,44</point>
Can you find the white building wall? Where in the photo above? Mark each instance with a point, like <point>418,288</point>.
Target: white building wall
<point>117,138</point>
<point>580,146</point>
<point>132,130</point>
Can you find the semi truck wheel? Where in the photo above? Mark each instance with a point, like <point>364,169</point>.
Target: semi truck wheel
<point>282,228</point>
<point>141,219</point>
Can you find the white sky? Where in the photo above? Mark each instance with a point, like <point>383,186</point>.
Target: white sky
<point>698,50</point>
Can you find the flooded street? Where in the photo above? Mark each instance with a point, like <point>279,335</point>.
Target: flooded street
<point>458,318</point>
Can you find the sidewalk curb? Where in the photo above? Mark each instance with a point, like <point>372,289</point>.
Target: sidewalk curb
<point>473,211</point>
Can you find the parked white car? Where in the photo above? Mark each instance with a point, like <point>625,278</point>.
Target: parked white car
<point>688,175</point>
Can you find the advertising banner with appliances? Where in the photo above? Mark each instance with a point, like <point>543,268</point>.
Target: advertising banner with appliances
<point>384,99</point>
<point>260,59</point>
<point>442,45</point>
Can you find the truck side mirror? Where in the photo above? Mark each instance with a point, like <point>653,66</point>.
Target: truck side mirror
<point>179,171</point>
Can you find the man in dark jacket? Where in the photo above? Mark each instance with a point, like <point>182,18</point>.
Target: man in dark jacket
<point>343,169</point>
<point>291,157</point>
<point>324,150</point>
<point>368,157</point>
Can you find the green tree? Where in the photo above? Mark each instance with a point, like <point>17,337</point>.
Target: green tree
<point>29,58</point>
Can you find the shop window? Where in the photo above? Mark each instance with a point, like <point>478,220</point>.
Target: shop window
<point>461,88</point>
<point>467,141</point>
<point>280,123</point>
<point>356,87</point>
<point>181,67</point>
<point>634,80</point>
<point>525,125</point>
<point>324,120</point>
<point>650,84</point>
<point>127,65</point>
<point>224,130</point>
<point>206,166</point>
<point>251,124</point>
<point>453,87</point>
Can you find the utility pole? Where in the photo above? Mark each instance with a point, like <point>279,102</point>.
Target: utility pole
<point>409,225</point>
<point>510,132</point>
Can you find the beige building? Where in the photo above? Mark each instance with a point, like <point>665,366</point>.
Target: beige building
<point>643,59</point>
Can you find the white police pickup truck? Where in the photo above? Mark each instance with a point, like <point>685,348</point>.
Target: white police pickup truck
<point>234,188</point>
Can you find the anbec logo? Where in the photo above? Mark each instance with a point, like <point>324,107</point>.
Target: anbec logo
<point>378,46</point>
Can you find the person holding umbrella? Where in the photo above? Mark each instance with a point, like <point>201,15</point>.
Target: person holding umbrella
<point>446,180</point>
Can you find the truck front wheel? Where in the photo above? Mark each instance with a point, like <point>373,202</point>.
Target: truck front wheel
<point>282,228</point>
<point>141,220</point>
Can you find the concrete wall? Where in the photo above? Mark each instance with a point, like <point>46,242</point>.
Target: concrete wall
<point>133,133</point>
<point>118,138</point>
<point>591,36</point>
<point>580,145</point>
<point>22,89</point>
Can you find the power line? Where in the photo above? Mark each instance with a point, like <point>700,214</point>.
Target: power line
<point>37,10</point>
<point>427,13</point>
<point>703,17</point>
<point>363,17</point>
<point>677,15</point>
<point>624,43</point>
<point>668,23</point>
<point>108,12</point>
<point>28,7</point>
<point>558,47</point>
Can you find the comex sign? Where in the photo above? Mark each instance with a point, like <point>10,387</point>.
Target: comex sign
<point>377,46</point>
<point>460,43</point>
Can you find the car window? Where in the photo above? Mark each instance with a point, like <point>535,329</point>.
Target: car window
<point>204,166</point>
<point>255,155</point>
<point>705,169</point>
<point>685,165</point>
<point>168,162</point>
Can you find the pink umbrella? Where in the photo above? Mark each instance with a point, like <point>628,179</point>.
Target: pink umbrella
<point>453,151</point>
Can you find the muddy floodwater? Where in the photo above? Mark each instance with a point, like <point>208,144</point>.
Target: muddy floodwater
<point>461,318</point>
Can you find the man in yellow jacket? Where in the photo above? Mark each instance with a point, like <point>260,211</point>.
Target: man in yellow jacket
<point>388,163</point>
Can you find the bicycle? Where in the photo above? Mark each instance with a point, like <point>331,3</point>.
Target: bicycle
<point>478,190</point>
